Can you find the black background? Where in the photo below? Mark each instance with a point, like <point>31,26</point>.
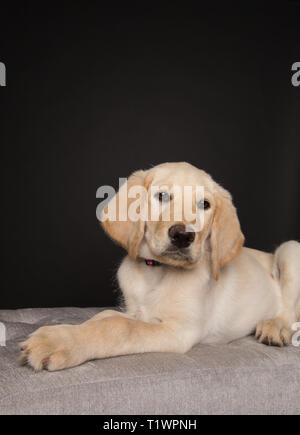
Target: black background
<point>96,92</point>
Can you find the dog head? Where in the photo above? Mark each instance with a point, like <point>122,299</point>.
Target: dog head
<point>153,228</point>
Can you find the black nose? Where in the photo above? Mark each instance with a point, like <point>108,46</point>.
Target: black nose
<point>179,237</point>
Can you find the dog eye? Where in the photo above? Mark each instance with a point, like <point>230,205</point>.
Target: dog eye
<point>163,196</point>
<point>203,204</point>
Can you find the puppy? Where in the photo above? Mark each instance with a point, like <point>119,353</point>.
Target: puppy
<point>180,286</point>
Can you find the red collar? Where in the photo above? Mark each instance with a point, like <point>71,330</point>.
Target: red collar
<point>150,262</point>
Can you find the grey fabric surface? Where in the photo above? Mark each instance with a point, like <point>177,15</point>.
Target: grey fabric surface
<point>243,377</point>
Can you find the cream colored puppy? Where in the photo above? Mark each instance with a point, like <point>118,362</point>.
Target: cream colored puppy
<point>181,287</point>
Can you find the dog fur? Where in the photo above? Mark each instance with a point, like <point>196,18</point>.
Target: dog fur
<point>215,292</point>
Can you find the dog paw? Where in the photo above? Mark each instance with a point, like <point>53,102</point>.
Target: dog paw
<point>50,347</point>
<point>273,332</point>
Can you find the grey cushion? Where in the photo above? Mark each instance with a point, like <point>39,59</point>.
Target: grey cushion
<point>239,378</point>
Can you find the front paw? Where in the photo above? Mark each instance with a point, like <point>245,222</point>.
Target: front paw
<point>274,332</point>
<point>50,347</point>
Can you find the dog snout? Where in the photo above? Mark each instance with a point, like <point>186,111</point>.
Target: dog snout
<point>180,237</point>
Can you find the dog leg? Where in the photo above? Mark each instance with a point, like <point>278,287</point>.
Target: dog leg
<point>278,331</point>
<point>62,346</point>
<point>108,313</point>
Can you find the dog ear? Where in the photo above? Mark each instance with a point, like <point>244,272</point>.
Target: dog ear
<point>226,236</point>
<point>127,233</point>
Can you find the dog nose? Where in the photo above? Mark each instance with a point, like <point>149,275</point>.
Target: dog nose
<point>180,237</point>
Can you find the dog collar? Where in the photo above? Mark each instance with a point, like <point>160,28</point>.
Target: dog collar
<point>150,262</point>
